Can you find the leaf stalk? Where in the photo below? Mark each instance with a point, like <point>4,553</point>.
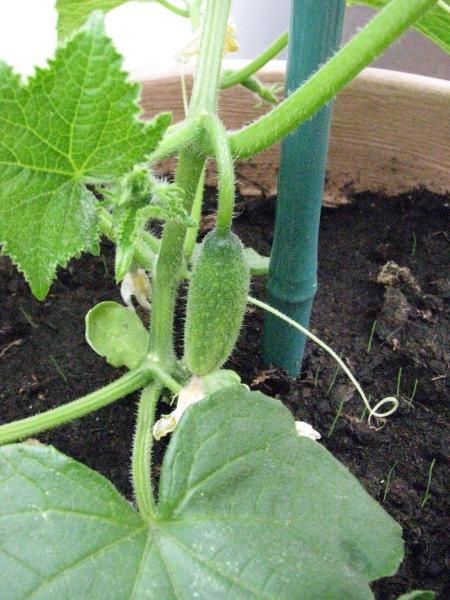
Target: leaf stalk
<point>23,428</point>
<point>142,452</point>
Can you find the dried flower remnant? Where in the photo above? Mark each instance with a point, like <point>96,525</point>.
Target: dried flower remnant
<point>137,284</point>
<point>306,430</point>
<point>193,392</point>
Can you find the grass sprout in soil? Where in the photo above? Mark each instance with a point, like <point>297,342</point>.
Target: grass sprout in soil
<point>382,305</point>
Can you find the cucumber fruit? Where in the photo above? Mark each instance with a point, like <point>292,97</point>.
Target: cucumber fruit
<point>216,302</point>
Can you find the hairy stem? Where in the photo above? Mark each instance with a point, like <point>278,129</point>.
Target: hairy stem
<point>142,452</point>
<point>170,260</point>
<point>189,169</point>
<point>221,149</point>
<point>123,386</point>
<point>321,87</point>
<point>164,378</point>
<point>206,80</point>
<point>177,137</point>
<point>263,91</point>
<point>230,78</point>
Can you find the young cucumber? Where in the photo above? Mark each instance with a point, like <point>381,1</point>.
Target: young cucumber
<point>216,302</point>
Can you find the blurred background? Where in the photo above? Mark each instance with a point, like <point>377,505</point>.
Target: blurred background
<point>149,36</point>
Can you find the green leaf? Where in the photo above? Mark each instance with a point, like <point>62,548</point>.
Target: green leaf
<point>73,123</point>
<point>65,531</point>
<point>435,24</point>
<point>247,510</point>
<point>418,595</point>
<point>218,380</point>
<point>258,264</point>
<point>116,333</point>
<point>236,470</point>
<point>73,13</point>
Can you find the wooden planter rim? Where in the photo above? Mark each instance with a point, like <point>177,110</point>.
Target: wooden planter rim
<point>390,131</point>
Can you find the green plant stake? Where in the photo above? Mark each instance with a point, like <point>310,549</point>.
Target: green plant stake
<point>315,34</point>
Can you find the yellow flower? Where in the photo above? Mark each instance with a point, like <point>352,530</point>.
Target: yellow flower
<point>192,48</point>
<point>231,41</point>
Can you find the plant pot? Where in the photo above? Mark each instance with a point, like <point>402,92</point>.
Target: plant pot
<point>45,361</point>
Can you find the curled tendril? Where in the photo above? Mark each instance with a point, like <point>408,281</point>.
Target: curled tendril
<point>373,411</point>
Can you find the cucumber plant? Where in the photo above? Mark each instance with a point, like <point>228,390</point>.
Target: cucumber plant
<point>246,508</point>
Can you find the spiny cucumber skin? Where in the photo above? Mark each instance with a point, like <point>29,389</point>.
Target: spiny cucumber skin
<point>216,303</point>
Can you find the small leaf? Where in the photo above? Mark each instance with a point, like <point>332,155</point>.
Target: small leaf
<point>74,122</point>
<point>435,24</point>
<point>219,380</point>
<point>259,265</point>
<point>169,197</point>
<point>73,13</point>
<point>247,510</point>
<point>116,333</point>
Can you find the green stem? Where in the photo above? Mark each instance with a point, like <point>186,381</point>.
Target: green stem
<point>221,149</point>
<point>230,78</point>
<point>182,12</point>
<point>321,87</point>
<point>194,13</point>
<point>177,137</point>
<point>166,379</point>
<point>189,169</point>
<point>206,81</point>
<point>170,260</point>
<point>142,452</point>
<point>196,213</point>
<point>123,386</point>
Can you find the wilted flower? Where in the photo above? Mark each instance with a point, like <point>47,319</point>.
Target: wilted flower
<point>137,284</point>
<point>191,393</point>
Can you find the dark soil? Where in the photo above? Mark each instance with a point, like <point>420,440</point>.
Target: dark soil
<point>44,362</point>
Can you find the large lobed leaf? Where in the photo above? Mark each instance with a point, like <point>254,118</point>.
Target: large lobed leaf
<point>247,510</point>
<point>73,122</point>
<point>435,24</point>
